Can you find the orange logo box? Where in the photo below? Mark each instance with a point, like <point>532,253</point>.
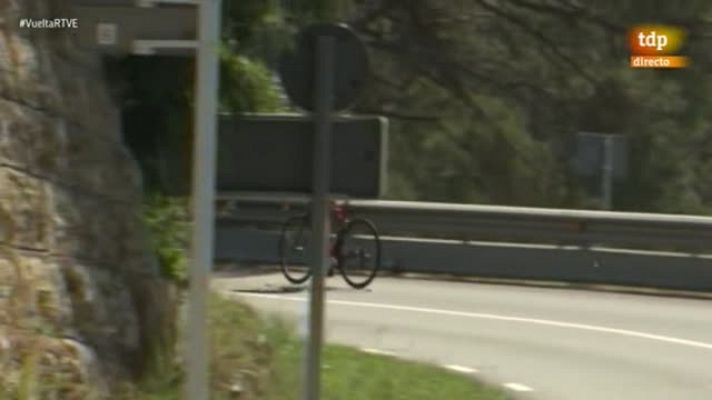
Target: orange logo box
<point>655,46</point>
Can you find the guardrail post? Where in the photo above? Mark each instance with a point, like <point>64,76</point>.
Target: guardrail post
<point>607,173</point>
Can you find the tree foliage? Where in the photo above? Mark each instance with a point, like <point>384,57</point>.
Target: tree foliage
<point>506,84</point>
<point>247,85</point>
<point>484,96</point>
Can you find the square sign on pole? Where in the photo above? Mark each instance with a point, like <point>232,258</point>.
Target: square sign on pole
<point>591,151</point>
<point>604,155</point>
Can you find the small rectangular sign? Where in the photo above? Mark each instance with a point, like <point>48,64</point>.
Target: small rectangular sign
<point>106,34</point>
<point>274,153</point>
<point>589,157</point>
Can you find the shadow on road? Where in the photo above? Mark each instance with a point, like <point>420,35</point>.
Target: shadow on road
<point>291,289</point>
<point>273,289</point>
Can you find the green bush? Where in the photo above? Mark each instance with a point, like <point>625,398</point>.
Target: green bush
<point>168,221</point>
<point>246,85</point>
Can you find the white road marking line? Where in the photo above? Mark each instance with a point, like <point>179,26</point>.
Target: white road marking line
<point>377,351</point>
<point>460,368</point>
<point>518,387</point>
<point>536,321</point>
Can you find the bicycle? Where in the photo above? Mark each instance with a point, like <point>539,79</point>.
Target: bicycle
<point>356,250</point>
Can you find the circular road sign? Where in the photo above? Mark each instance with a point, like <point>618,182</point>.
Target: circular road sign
<point>351,69</point>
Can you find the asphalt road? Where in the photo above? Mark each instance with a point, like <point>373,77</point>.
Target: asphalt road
<point>538,343</point>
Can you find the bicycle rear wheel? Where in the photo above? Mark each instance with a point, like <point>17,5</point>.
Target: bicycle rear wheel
<point>359,253</point>
<point>294,249</point>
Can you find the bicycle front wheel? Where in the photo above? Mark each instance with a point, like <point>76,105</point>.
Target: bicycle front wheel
<point>359,253</point>
<point>294,249</point>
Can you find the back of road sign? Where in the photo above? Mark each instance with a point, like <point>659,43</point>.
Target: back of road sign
<point>274,153</point>
<point>350,73</point>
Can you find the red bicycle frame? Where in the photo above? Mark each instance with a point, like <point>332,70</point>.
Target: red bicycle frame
<point>340,217</point>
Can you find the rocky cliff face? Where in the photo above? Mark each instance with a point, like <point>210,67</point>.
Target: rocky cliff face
<point>80,294</point>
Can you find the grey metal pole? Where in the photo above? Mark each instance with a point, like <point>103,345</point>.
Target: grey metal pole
<point>607,173</point>
<point>324,82</point>
<point>206,89</point>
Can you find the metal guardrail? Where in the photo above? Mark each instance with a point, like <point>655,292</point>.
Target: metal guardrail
<point>575,246</point>
<point>594,265</point>
<point>495,223</point>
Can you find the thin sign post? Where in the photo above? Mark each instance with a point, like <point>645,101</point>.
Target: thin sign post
<point>324,82</point>
<point>206,84</point>
<point>607,173</point>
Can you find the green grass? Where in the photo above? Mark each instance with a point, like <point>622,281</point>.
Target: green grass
<point>353,375</point>
<point>264,357</point>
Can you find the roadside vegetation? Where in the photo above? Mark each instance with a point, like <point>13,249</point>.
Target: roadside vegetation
<point>258,358</point>
<point>168,221</point>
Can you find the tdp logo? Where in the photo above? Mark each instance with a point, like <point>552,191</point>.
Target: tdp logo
<point>653,39</point>
<point>655,46</point>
